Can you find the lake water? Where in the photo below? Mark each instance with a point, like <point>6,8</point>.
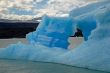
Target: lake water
<point>20,66</point>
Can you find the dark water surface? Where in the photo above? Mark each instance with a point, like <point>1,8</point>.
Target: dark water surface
<point>20,66</point>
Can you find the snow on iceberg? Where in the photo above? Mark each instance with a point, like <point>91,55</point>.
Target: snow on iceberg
<point>53,32</point>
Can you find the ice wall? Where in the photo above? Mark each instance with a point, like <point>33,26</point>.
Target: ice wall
<point>53,32</point>
<point>85,17</point>
<point>94,53</point>
<point>86,24</point>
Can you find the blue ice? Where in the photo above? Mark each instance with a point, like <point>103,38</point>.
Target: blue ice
<point>85,17</point>
<point>88,8</point>
<point>53,32</point>
<point>93,53</point>
<point>86,24</point>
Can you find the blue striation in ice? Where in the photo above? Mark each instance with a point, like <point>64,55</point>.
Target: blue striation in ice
<point>93,53</point>
<point>53,32</point>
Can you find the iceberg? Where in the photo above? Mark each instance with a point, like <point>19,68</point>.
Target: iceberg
<point>94,53</point>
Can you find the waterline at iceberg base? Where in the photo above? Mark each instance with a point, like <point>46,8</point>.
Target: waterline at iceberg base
<point>93,53</point>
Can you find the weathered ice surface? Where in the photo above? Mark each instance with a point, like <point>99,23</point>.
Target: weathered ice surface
<point>94,53</point>
<point>85,16</point>
<point>53,32</point>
